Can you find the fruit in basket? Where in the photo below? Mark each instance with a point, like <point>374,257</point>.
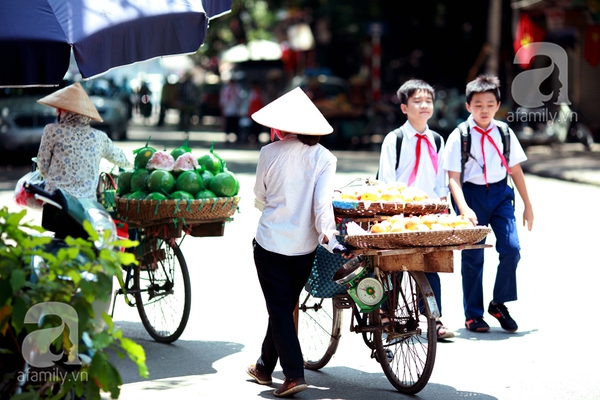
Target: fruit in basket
<point>156,196</point>
<point>206,177</point>
<point>183,149</point>
<point>137,195</point>
<point>211,161</point>
<point>350,194</point>
<point>370,194</point>
<point>138,179</point>
<point>381,227</point>
<point>185,162</point>
<point>412,194</point>
<point>142,155</point>
<point>161,160</point>
<point>205,194</point>
<point>224,184</point>
<point>160,181</point>
<point>124,182</point>
<point>189,181</point>
<point>182,195</point>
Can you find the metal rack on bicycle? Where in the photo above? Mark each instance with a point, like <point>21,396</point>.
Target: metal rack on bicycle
<point>159,285</point>
<point>391,301</point>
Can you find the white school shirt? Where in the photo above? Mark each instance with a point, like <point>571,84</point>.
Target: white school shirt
<point>434,184</point>
<point>295,183</point>
<point>474,167</point>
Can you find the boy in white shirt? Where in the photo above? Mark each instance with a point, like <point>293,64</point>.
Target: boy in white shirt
<point>484,196</point>
<point>419,162</point>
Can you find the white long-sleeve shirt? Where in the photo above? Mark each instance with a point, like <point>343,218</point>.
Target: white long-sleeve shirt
<point>434,184</point>
<point>295,183</point>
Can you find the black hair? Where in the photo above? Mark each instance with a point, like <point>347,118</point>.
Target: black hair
<point>483,84</point>
<point>309,140</point>
<point>412,86</point>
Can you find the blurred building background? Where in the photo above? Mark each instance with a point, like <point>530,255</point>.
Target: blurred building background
<point>353,55</point>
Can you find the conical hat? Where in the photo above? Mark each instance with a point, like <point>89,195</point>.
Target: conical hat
<point>72,98</point>
<point>293,112</point>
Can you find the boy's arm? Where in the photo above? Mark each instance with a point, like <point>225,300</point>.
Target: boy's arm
<point>519,179</point>
<point>459,198</point>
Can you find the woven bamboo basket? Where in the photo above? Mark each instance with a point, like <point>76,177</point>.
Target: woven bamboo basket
<point>203,209</point>
<point>346,208</point>
<point>445,237</point>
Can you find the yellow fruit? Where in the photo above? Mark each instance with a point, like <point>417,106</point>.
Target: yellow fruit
<point>370,195</point>
<point>381,227</point>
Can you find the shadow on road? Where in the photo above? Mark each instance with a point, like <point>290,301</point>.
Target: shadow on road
<point>350,384</point>
<point>178,359</point>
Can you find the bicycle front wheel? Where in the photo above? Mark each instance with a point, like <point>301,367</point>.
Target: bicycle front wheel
<point>406,346</point>
<point>319,329</point>
<point>162,289</point>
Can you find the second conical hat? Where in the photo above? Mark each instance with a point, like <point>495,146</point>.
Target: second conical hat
<point>72,98</point>
<point>293,112</point>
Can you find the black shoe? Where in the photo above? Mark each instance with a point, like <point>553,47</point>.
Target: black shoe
<point>500,312</point>
<point>477,325</point>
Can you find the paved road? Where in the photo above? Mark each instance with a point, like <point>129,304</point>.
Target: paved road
<point>553,356</point>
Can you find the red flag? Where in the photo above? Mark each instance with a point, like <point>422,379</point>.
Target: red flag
<point>591,46</point>
<point>527,32</point>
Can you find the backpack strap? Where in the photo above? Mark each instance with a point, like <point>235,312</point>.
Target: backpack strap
<point>465,147</point>
<point>503,127</point>
<point>399,137</point>
<point>465,144</point>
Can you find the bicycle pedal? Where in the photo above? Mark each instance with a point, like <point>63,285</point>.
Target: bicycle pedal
<point>342,301</point>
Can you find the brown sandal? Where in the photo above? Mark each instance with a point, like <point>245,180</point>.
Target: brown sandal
<point>442,331</point>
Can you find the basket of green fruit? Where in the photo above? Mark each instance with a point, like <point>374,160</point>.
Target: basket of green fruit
<point>176,185</point>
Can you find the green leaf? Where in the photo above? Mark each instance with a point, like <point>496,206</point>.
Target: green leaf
<point>137,355</point>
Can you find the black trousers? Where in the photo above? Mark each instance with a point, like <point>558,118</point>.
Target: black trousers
<point>281,279</point>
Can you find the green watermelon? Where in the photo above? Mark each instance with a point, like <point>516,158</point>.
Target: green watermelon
<point>160,181</point>
<point>205,194</point>
<point>189,181</point>
<point>156,196</point>
<point>180,194</point>
<point>124,182</point>
<point>138,179</point>
<point>224,184</point>
<point>142,155</point>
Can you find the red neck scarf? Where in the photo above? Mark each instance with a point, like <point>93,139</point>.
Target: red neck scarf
<point>486,134</point>
<point>432,155</point>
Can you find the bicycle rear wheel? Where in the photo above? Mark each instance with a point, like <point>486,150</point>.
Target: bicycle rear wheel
<point>319,329</point>
<point>407,345</point>
<point>162,289</point>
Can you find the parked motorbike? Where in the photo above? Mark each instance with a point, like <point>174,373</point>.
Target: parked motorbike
<point>27,365</point>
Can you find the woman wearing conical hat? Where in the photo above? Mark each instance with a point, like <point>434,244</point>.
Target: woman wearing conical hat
<point>71,150</point>
<point>294,189</point>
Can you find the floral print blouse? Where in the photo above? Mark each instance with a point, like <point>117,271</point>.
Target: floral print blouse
<point>70,153</point>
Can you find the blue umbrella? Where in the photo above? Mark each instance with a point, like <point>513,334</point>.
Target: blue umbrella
<point>38,36</point>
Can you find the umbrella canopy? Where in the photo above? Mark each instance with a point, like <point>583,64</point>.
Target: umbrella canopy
<point>254,50</point>
<point>37,36</point>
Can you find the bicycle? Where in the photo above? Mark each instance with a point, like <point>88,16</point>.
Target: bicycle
<point>399,328</point>
<point>159,285</point>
